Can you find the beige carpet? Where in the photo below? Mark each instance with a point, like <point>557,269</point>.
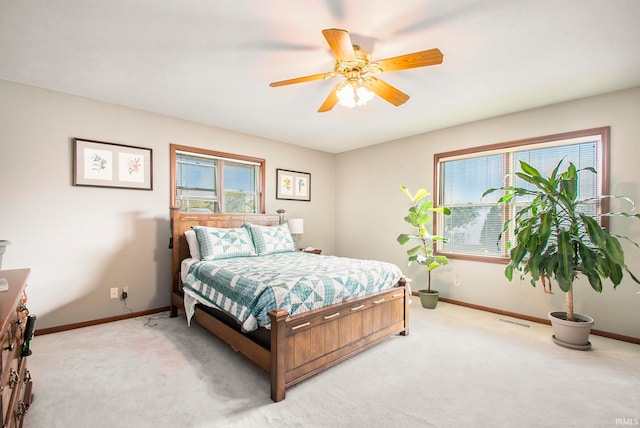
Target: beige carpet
<point>458,367</point>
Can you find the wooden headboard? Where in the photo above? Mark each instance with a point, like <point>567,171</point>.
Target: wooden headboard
<point>182,221</point>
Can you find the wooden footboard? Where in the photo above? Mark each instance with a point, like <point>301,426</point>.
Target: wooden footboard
<point>306,344</point>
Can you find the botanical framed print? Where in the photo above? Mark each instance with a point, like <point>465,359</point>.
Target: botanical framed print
<point>293,185</point>
<point>100,164</point>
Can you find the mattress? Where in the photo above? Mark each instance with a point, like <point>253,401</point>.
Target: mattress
<point>247,288</point>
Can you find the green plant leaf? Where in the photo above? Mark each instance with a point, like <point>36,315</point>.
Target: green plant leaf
<point>403,238</point>
<point>594,281</point>
<point>406,192</point>
<point>488,191</point>
<point>569,188</point>
<point>443,260</point>
<point>632,275</point>
<point>421,193</point>
<point>553,178</point>
<point>508,271</point>
<point>442,210</point>
<point>528,178</point>
<point>588,256</point>
<point>414,250</point>
<point>614,272</point>
<point>544,232</point>
<point>564,283</point>
<point>594,230</point>
<point>564,270</point>
<point>614,249</point>
<point>517,254</point>
<point>549,261</point>
<point>528,169</point>
<point>424,206</point>
<point>505,199</point>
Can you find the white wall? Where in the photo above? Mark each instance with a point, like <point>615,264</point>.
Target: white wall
<point>81,241</point>
<point>370,206</point>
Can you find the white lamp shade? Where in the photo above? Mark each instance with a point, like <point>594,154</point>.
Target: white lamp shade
<point>296,226</point>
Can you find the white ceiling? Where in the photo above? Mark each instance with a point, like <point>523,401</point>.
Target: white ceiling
<point>210,61</point>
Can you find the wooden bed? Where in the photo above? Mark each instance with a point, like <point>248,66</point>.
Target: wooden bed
<point>303,345</point>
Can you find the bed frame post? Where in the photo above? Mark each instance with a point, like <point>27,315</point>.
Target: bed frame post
<point>278,353</point>
<point>407,299</point>
<point>173,244</point>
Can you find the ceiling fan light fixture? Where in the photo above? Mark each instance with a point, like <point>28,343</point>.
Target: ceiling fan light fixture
<point>354,92</point>
<point>352,63</point>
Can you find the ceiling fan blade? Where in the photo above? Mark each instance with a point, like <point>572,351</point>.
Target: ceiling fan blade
<point>302,79</point>
<point>330,102</point>
<point>388,92</point>
<point>340,43</point>
<point>412,60</point>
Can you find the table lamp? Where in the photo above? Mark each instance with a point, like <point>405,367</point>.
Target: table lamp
<point>296,226</point>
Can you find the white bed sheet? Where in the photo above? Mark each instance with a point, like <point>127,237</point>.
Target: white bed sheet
<point>184,268</point>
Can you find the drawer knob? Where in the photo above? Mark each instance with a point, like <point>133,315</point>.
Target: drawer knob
<point>24,311</point>
<point>22,410</point>
<point>10,346</point>
<point>13,378</point>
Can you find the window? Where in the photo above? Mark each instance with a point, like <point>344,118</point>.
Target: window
<point>204,181</point>
<point>461,177</point>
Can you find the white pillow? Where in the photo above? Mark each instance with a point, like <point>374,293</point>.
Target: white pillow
<point>192,241</point>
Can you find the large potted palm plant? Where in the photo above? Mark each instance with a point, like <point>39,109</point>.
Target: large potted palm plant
<point>419,217</point>
<point>555,240</point>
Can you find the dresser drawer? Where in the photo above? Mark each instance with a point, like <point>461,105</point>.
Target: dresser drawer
<point>10,388</point>
<point>19,396</point>
<point>11,343</point>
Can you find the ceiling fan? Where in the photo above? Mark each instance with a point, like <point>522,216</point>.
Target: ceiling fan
<point>354,64</point>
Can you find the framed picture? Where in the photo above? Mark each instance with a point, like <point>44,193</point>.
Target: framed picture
<point>293,185</point>
<point>100,164</point>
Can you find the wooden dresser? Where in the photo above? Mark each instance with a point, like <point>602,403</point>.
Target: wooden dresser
<point>15,379</point>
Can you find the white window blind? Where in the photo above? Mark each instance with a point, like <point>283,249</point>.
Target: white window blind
<point>475,223</point>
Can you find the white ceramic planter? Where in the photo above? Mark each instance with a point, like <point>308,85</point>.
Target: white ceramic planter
<point>571,334</point>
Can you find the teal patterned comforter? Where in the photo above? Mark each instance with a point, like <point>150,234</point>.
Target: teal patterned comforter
<point>248,288</point>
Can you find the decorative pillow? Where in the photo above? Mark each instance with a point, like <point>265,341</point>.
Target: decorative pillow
<point>220,243</point>
<point>192,242</point>
<point>271,239</point>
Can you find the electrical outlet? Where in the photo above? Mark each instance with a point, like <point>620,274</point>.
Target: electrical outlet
<point>456,281</point>
<point>125,291</point>
<point>114,292</point>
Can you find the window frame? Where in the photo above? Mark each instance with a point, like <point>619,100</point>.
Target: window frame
<point>174,148</point>
<point>603,172</point>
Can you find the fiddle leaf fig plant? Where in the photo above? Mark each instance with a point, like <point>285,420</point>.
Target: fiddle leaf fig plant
<point>554,239</point>
<point>419,217</point>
